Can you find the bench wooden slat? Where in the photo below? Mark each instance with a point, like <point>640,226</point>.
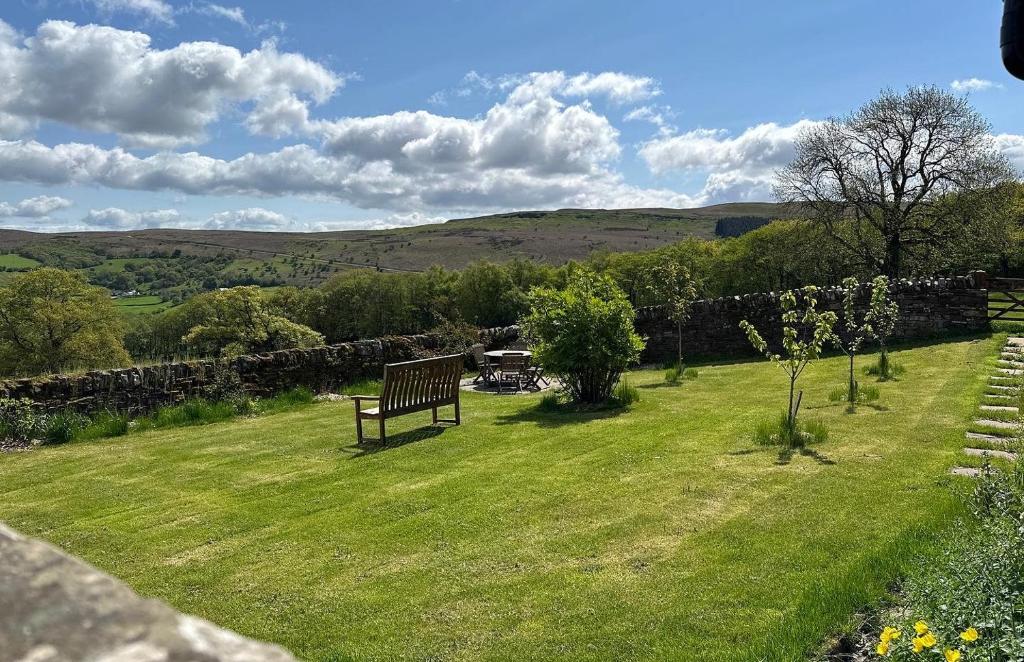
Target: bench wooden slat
<point>415,386</point>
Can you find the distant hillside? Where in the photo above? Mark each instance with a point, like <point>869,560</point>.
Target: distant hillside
<point>269,258</point>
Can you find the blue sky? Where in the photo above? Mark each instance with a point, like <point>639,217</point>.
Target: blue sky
<point>118,114</point>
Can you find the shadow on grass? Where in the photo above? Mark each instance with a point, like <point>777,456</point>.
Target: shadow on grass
<point>847,408</point>
<point>546,418</point>
<point>373,446</point>
<point>786,456</point>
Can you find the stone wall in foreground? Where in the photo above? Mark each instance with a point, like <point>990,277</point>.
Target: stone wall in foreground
<point>56,608</point>
<point>928,308</point>
<point>144,388</point>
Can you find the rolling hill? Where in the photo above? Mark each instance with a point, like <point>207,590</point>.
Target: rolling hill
<point>297,258</point>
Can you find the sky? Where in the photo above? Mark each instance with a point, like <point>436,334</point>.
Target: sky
<point>309,115</point>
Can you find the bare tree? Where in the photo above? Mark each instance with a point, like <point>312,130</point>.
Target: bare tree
<point>897,178</point>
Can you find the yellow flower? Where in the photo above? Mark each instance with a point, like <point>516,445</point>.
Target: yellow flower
<point>952,655</point>
<point>890,633</point>
<point>918,644</point>
<point>883,648</point>
<point>920,627</point>
<point>928,640</point>
<point>970,635</point>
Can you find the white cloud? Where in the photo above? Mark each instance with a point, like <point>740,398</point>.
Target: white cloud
<point>1013,147</point>
<point>253,218</point>
<point>37,207</point>
<point>973,85</point>
<point>618,87</point>
<point>233,14</point>
<point>659,116</point>
<point>156,10</point>
<point>115,218</point>
<point>104,79</point>
<point>738,167</point>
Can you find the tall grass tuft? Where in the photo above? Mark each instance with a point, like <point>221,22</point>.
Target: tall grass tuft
<point>778,432</point>
<point>63,427</point>
<point>624,393</point>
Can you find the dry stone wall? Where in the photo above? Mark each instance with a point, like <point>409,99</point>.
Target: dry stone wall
<point>144,388</point>
<point>928,308</point>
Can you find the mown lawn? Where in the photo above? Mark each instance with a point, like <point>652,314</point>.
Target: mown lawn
<point>659,533</point>
<point>142,305</point>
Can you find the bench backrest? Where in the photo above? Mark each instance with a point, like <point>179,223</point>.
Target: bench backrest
<point>418,385</point>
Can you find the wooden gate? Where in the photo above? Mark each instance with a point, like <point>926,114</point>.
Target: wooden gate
<point>1006,299</point>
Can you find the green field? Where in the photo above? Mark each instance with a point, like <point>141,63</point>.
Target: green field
<point>15,261</point>
<point>657,533</point>
<point>142,305</point>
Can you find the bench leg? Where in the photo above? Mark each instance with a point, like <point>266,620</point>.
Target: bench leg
<point>359,426</point>
<point>383,435</point>
<point>458,416</point>
<point>435,415</point>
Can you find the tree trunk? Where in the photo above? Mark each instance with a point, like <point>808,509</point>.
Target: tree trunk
<point>893,257</point>
<point>679,337</point>
<point>852,393</point>
<point>791,416</point>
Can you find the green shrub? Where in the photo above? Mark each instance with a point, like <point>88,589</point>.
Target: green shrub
<point>20,422</point>
<point>64,427</point>
<point>584,334</point>
<point>625,393</point>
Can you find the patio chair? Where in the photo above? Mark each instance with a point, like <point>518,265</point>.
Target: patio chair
<point>535,373</point>
<point>483,365</point>
<point>513,367</point>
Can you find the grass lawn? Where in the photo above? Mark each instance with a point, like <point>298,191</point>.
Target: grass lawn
<point>15,261</point>
<point>145,304</point>
<point>659,533</point>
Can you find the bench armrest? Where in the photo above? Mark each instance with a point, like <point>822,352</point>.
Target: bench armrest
<point>358,400</point>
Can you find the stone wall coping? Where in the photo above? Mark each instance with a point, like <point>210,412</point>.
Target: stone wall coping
<point>57,608</point>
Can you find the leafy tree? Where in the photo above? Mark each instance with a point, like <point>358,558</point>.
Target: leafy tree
<point>854,332</point>
<point>487,296</point>
<point>584,334</point>
<point>805,330</point>
<point>51,320</point>
<point>882,315</point>
<point>672,287</point>
<point>897,178</point>
<point>240,321</point>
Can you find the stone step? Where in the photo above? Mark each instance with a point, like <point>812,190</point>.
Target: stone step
<point>1011,355</point>
<point>1012,410</point>
<point>1002,379</point>
<point>1010,371</point>
<point>1015,342</point>
<point>1000,397</point>
<point>1013,365</point>
<point>992,423</point>
<point>987,438</point>
<point>1004,389</point>
<point>984,452</point>
<point>965,471</point>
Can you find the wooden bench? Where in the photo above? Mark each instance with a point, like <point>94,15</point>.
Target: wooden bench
<point>410,387</point>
